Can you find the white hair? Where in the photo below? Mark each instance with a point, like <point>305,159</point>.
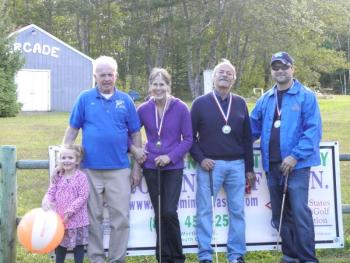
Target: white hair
<point>225,62</point>
<point>105,60</point>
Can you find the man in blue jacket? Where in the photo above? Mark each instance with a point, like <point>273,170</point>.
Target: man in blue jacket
<point>287,119</point>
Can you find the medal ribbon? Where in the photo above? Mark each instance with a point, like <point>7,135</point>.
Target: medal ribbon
<point>279,111</point>
<point>225,116</point>
<point>160,125</point>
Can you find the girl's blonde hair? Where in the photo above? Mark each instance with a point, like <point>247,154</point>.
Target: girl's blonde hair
<point>78,149</point>
<point>79,154</point>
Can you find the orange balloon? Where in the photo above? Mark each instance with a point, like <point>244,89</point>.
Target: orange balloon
<point>40,231</point>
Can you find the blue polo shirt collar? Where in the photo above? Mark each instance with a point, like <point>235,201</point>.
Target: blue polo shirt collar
<point>100,96</point>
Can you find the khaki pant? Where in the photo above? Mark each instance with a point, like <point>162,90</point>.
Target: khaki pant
<point>112,187</point>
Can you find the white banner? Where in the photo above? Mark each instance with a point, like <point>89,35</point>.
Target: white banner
<point>324,201</point>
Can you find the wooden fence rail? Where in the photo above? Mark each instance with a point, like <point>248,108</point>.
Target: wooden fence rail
<point>8,197</point>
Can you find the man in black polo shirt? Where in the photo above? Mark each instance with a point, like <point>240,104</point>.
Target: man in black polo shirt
<point>222,145</point>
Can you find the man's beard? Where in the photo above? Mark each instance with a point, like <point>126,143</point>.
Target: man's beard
<point>282,79</point>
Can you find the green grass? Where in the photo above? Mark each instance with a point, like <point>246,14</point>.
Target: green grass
<point>32,133</point>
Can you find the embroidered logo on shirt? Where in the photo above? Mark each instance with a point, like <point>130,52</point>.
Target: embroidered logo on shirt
<point>92,103</point>
<point>296,107</point>
<point>119,104</point>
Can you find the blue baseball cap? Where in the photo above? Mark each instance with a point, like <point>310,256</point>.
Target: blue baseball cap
<point>282,57</point>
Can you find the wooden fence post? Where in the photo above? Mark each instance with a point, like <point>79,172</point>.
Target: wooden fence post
<point>8,204</point>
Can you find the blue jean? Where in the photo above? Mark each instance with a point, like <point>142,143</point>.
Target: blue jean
<point>230,175</point>
<point>297,232</point>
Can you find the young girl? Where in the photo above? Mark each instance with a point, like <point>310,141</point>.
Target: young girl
<point>67,195</point>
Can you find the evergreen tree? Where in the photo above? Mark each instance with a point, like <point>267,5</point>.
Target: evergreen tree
<point>10,63</point>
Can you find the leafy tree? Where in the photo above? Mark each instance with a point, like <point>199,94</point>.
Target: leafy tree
<point>189,36</point>
<point>10,63</point>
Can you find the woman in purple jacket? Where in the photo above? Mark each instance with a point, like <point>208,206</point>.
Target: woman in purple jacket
<point>67,195</point>
<point>168,127</point>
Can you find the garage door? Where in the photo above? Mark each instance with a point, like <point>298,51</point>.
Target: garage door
<point>33,89</point>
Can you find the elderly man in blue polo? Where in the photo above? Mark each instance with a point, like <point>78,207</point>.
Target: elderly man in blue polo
<point>106,117</point>
<point>288,121</point>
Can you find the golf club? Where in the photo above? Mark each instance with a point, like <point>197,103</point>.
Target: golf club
<point>159,217</point>
<point>213,210</point>
<point>285,187</point>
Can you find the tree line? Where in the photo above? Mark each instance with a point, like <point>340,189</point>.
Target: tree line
<point>189,36</point>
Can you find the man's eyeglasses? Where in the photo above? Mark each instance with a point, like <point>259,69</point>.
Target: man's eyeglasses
<point>278,67</point>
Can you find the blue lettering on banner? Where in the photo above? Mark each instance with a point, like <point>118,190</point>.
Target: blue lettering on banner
<point>141,205</point>
<point>316,180</point>
<point>187,203</point>
<point>258,176</point>
<point>251,201</point>
<point>188,180</point>
<point>141,189</point>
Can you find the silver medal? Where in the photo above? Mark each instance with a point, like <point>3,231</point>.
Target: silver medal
<point>226,129</point>
<point>159,143</point>
<point>277,124</point>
